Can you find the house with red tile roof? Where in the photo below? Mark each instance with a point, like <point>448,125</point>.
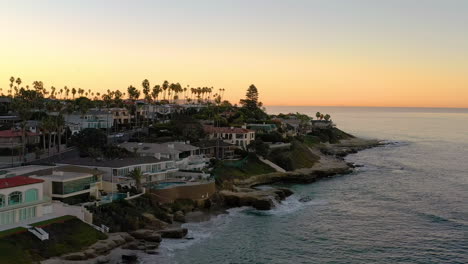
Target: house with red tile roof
<point>238,136</point>
<point>22,199</point>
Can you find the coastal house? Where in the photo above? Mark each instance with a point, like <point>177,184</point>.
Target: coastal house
<point>216,148</point>
<point>240,137</point>
<point>22,199</point>
<point>70,184</point>
<point>94,118</point>
<point>12,138</point>
<point>116,171</point>
<point>262,128</point>
<point>185,156</point>
<point>322,124</point>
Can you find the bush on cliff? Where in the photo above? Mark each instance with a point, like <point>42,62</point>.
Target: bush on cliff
<point>125,215</point>
<point>297,157</point>
<point>333,135</point>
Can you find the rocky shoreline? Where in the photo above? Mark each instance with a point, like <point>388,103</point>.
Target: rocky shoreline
<point>125,247</point>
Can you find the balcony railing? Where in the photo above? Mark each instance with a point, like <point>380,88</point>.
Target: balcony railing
<point>44,199</point>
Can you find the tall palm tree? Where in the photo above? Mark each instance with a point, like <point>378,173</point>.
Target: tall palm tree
<point>73,92</point>
<point>133,95</point>
<point>165,86</point>
<point>136,175</point>
<point>155,92</point>
<point>146,90</point>
<point>52,92</point>
<point>12,81</point>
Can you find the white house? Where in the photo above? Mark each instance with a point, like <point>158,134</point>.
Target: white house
<point>22,199</point>
<point>241,137</point>
<point>92,119</point>
<point>186,156</point>
<point>70,184</point>
<point>117,171</point>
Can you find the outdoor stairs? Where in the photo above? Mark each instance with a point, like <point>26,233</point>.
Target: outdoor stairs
<point>271,164</point>
<point>39,232</point>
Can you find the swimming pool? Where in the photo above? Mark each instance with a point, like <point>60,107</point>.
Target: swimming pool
<point>114,196</point>
<point>164,185</point>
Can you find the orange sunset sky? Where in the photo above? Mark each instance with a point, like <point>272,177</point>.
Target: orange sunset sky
<point>330,52</point>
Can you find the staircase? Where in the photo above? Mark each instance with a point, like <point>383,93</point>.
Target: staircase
<point>39,233</point>
<point>271,164</point>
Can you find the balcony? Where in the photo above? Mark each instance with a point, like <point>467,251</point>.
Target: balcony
<point>45,199</point>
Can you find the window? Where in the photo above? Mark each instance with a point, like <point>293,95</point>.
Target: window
<point>2,200</point>
<point>27,213</point>
<point>31,195</point>
<point>15,198</point>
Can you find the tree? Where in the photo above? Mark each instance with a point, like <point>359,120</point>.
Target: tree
<point>146,90</point>
<point>165,86</point>
<point>155,92</point>
<point>251,98</point>
<point>317,115</point>
<point>73,92</point>
<point>24,103</point>
<point>133,95</point>
<point>259,147</point>
<point>327,117</point>
<point>136,175</point>
<point>89,138</point>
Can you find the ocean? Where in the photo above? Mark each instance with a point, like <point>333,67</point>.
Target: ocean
<point>408,203</point>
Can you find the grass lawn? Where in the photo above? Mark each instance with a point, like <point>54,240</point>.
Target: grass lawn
<point>297,157</point>
<point>67,234</point>
<point>12,231</point>
<point>52,221</point>
<point>229,170</point>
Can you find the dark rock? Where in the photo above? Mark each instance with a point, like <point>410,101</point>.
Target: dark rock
<point>152,252</point>
<point>179,217</point>
<point>152,246</point>
<point>263,204</point>
<point>129,257</point>
<point>154,237</point>
<point>305,199</point>
<point>132,245</point>
<point>174,233</point>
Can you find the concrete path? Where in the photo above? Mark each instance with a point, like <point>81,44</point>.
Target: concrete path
<point>271,164</point>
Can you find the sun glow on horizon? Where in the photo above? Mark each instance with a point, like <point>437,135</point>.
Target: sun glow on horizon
<point>358,53</point>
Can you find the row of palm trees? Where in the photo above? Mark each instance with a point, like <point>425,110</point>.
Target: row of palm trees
<point>169,92</point>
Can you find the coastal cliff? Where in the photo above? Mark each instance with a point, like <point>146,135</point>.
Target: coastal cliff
<point>330,162</point>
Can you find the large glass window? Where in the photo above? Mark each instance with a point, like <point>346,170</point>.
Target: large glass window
<point>31,195</point>
<point>27,213</point>
<point>73,186</point>
<point>15,198</point>
<point>7,218</point>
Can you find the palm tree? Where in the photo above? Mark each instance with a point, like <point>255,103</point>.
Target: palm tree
<point>18,82</point>
<point>156,91</point>
<point>12,80</point>
<point>165,85</point>
<point>48,126</point>
<point>136,175</point>
<point>317,115</point>
<point>73,92</point>
<point>146,90</point>
<point>133,95</point>
<point>52,92</point>
<point>327,117</point>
